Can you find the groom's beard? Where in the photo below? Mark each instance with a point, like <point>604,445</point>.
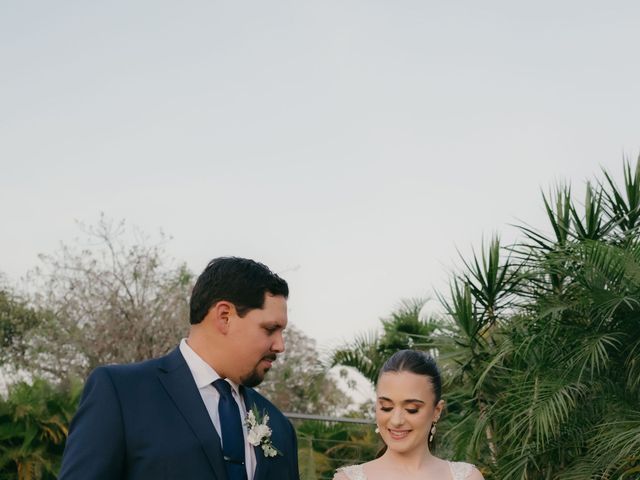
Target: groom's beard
<point>256,376</point>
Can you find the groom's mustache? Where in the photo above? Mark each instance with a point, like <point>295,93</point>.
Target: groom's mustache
<point>271,357</point>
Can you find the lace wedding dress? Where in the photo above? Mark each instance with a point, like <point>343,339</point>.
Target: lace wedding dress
<point>459,471</point>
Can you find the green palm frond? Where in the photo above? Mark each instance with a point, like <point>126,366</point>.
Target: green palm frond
<point>491,283</point>
<point>462,311</point>
<point>632,364</point>
<point>363,354</point>
<point>624,204</point>
<point>560,218</point>
<point>404,328</point>
<point>594,354</point>
<point>615,445</point>
<point>538,408</point>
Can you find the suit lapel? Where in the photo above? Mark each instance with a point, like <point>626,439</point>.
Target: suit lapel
<point>251,400</point>
<point>178,382</point>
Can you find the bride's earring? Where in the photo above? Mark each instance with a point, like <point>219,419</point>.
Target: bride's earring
<point>432,433</point>
<point>377,430</point>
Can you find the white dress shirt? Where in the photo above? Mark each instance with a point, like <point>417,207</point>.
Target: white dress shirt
<point>204,375</point>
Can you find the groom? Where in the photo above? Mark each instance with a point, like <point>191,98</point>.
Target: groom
<point>184,415</point>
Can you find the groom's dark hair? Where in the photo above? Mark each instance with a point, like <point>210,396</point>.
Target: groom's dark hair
<point>241,281</point>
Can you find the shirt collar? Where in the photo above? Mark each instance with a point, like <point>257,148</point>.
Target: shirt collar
<point>203,373</point>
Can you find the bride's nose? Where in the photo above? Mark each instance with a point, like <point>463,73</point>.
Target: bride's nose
<point>397,417</point>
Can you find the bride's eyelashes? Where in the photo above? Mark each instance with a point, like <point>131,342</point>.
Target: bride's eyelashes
<point>408,410</point>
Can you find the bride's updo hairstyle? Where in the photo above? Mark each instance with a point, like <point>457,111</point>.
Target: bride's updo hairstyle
<point>415,361</point>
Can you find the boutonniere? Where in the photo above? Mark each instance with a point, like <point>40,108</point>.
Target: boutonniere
<point>259,433</point>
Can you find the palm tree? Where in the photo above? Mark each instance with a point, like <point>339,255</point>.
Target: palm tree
<point>540,344</point>
<point>402,329</point>
<point>34,423</point>
<point>567,365</point>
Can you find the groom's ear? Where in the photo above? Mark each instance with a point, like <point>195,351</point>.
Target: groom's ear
<point>219,315</point>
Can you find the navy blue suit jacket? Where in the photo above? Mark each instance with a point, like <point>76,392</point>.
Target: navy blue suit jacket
<point>147,421</point>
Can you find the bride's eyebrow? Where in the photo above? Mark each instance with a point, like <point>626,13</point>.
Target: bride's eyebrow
<point>409,400</point>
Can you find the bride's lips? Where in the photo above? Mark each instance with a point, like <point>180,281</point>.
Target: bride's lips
<point>398,434</point>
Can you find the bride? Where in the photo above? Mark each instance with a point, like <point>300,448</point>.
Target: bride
<point>408,408</point>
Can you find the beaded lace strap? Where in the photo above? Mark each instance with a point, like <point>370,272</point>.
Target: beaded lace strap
<point>354,472</point>
<point>460,470</point>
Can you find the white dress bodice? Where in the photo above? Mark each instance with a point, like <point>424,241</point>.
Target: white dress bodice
<point>459,471</point>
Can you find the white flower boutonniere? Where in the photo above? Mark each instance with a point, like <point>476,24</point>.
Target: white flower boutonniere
<point>259,433</point>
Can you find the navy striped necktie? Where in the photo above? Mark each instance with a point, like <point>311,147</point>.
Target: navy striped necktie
<point>232,434</point>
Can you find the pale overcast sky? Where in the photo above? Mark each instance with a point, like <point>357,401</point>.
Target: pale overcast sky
<point>353,145</point>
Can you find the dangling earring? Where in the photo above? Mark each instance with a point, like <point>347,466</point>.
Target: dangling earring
<point>377,430</point>
<point>432,432</point>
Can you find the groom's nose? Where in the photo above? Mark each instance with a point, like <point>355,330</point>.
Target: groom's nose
<point>278,343</point>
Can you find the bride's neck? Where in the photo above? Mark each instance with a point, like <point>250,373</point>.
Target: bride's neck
<point>411,461</point>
